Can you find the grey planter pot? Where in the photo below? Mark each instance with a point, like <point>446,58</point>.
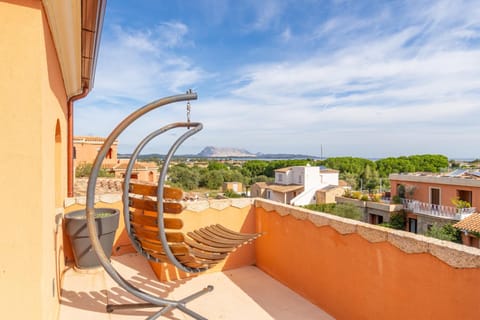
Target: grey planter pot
<point>77,231</point>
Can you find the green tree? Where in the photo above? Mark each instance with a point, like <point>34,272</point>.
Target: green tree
<point>232,194</point>
<point>446,232</point>
<point>83,171</point>
<point>254,168</point>
<point>184,177</point>
<point>216,165</point>
<point>233,175</point>
<point>347,210</point>
<point>398,220</point>
<point>261,178</point>
<point>321,207</point>
<point>370,178</point>
<point>344,210</point>
<point>351,179</point>
<point>213,179</point>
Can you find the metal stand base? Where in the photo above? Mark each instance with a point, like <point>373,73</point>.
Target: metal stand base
<point>180,304</point>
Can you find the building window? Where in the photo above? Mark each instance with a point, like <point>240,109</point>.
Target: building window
<point>300,179</point>
<point>474,242</point>
<point>279,177</point>
<point>465,195</point>
<point>412,225</point>
<point>269,194</point>
<point>401,190</point>
<point>435,196</point>
<point>375,219</point>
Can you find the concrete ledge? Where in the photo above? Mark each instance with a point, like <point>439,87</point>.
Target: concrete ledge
<point>241,202</point>
<point>300,213</point>
<point>447,252</point>
<point>220,204</point>
<point>372,233</point>
<point>318,219</point>
<point>344,225</point>
<point>453,254</point>
<point>407,242</point>
<point>197,206</point>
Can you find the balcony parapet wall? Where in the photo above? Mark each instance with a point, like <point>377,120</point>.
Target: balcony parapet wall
<point>195,206</point>
<point>455,255</point>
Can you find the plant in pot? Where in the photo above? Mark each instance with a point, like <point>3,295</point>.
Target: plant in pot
<point>106,222</point>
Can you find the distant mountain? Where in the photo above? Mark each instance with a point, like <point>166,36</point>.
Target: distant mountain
<point>214,152</point>
<point>284,156</point>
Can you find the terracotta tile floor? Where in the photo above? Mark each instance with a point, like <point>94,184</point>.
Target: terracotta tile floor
<point>244,293</point>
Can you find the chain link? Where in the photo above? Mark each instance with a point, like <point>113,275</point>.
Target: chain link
<point>188,113</point>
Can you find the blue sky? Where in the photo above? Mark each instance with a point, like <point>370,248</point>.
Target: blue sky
<point>360,78</point>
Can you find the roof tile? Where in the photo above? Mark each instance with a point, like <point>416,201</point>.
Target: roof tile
<point>470,223</point>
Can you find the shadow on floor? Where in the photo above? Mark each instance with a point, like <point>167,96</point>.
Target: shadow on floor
<point>91,291</point>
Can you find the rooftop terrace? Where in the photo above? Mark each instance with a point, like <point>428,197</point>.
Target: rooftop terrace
<point>242,293</point>
<point>307,265</point>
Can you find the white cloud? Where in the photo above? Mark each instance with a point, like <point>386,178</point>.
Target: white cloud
<point>140,64</point>
<point>389,83</point>
<point>286,35</point>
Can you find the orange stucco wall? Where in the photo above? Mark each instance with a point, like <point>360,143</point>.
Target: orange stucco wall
<point>86,151</point>
<point>351,278</point>
<point>33,107</point>
<point>237,219</point>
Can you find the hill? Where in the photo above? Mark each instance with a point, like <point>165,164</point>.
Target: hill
<point>214,152</point>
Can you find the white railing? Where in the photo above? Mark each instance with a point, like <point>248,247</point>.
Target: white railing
<point>436,210</point>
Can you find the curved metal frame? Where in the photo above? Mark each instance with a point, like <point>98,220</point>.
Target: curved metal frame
<point>90,213</point>
<point>196,127</point>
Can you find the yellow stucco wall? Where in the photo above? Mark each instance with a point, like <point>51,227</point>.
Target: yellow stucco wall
<point>33,141</point>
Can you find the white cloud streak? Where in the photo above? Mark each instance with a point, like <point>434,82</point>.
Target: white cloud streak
<point>387,84</point>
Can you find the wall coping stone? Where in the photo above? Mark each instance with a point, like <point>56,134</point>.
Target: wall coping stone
<point>453,254</point>
<point>196,206</point>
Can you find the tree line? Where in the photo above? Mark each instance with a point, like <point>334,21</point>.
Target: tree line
<point>359,173</point>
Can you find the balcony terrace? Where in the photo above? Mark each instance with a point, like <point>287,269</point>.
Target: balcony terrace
<point>307,265</point>
<point>435,210</point>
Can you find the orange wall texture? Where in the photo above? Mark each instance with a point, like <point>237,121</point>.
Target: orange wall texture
<point>237,219</point>
<point>33,166</point>
<point>86,152</point>
<point>351,278</point>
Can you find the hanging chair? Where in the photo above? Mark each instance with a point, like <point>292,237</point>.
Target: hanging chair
<point>153,219</point>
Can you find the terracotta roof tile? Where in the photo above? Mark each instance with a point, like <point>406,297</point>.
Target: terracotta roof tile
<point>470,223</point>
<point>79,139</point>
<point>284,188</point>
<point>136,166</point>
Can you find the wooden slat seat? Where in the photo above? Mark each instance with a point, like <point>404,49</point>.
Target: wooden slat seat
<point>200,248</point>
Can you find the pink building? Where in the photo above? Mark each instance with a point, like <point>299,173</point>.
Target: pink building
<point>86,149</point>
<point>429,198</point>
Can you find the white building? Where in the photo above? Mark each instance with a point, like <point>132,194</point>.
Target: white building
<point>297,185</point>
